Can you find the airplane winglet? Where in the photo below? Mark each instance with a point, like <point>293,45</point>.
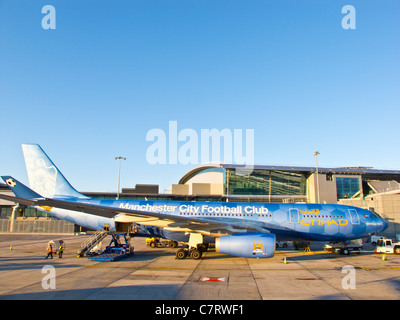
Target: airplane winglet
<point>20,190</point>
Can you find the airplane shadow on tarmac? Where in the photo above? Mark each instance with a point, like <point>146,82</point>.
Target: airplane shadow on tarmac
<point>36,265</point>
<point>148,255</point>
<point>135,292</point>
<point>323,256</point>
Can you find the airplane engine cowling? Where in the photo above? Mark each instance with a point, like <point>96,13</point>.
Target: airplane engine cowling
<point>248,245</point>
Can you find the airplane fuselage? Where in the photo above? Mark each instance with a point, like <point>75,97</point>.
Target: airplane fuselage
<point>313,222</point>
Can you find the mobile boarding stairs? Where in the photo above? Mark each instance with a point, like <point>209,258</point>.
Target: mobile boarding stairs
<point>118,248</point>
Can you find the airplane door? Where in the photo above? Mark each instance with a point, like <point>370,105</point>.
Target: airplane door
<point>355,219</point>
<point>294,216</point>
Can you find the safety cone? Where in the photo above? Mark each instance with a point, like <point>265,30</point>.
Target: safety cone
<point>384,257</point>
<point>11,247</point>
<point>284,260</point>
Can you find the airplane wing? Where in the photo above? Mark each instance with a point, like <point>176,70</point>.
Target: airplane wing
<point>26,202</point>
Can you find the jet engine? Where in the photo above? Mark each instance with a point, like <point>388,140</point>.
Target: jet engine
<point>248,245</point>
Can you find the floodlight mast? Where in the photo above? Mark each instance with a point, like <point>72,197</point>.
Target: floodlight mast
<point>119,158</point>
<point>316,153</point>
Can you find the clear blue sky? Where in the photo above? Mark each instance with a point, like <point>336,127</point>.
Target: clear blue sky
<point>112,70</point>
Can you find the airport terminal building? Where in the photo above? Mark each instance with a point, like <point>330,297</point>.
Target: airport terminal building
<point>365,187</point>
<point>373,189</point>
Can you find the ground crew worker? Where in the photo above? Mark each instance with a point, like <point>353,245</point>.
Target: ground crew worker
<point>49,251</point>
<point>60,250</point>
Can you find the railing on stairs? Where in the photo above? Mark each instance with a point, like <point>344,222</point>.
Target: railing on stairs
<point>91,242</point>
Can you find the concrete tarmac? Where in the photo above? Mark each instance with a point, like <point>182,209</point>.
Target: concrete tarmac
<point>155,274</point>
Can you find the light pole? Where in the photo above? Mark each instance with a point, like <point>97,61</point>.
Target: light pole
<point>316,153</point>
<point>119,171</point>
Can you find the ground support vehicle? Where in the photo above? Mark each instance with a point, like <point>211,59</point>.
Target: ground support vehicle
<point>374,239</point>
<point>157,242</point>
<point>344,247</point>
<point>387,246</point>
<point>118,248</point>
<point>282,244</point>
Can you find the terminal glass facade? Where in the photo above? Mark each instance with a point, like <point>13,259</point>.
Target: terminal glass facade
<point>6,212</point>
<point>347,187</point>
<point>265,182</point>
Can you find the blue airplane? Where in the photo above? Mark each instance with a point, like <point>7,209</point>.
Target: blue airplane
<point>239,229</point>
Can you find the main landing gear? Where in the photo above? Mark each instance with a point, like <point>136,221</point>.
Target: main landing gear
<point>194,253</point>
<point>196,248</point>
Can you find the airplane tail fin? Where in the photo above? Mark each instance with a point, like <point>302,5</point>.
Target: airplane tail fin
<point>44,177</point>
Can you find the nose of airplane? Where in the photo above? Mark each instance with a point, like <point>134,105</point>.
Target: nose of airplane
<point>375,223</point>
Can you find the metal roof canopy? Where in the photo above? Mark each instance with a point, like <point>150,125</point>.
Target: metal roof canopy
<point>347,170</point>
<point>338,170</point>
